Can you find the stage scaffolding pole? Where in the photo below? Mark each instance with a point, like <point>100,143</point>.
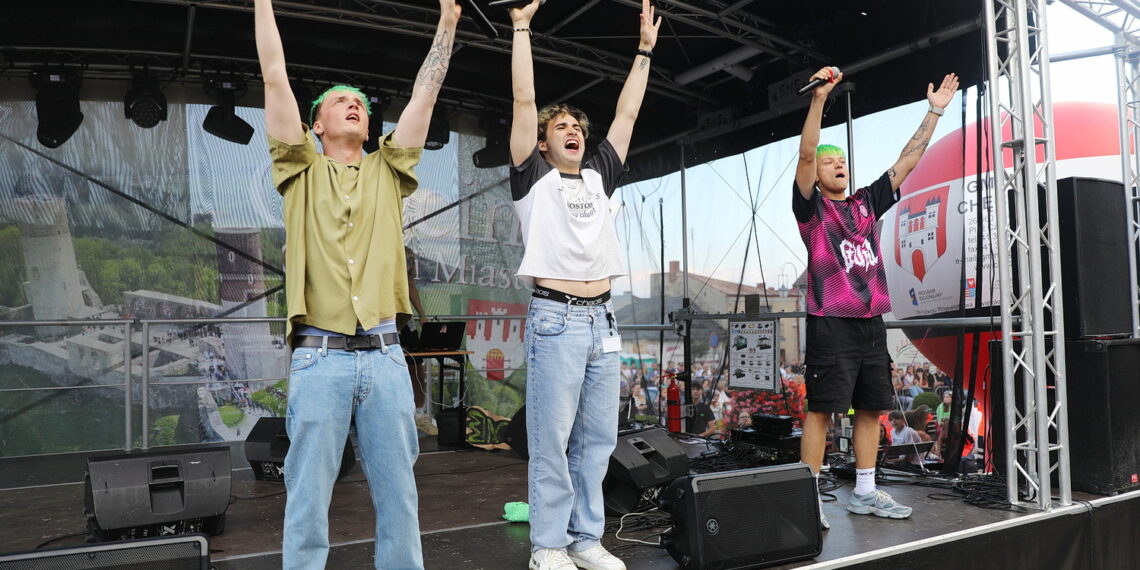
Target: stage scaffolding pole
<point>1122,18</point>
<point>1033,349</point>
<point>685,327</point>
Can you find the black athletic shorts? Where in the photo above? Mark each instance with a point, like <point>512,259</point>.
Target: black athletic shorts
<point>847,365</point>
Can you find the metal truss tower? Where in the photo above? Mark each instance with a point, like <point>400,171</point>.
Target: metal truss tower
<point>1033,348</point>
<point>1122,18</point>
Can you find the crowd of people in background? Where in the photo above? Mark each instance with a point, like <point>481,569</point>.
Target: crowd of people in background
<point>718,409</point>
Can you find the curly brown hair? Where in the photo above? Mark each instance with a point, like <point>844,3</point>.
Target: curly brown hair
<point>551,112</point>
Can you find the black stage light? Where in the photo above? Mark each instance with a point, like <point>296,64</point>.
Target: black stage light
<point>439,131</point>
<point>57,105</point>
<point>497,151</point>
<point>221,121</point>
<point>376,121</point>
<point>144,102</point>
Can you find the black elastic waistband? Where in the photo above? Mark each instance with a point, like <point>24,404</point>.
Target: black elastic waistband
<point>557,296</point>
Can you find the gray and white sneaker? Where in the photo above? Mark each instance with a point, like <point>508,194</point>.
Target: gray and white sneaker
<point>551,559</point>
<point>596,558</point>
<point>877,503</point>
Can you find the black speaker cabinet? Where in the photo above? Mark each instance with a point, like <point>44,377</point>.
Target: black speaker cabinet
<point>1103,395</point>
<point>1094,257</point>
<point>452,424</point>
<point>743,519</point>
<point>168,553</point>
<point>267,445</point>
<point>143,495</point>
<point>643,462</point>
<point>514,434</point>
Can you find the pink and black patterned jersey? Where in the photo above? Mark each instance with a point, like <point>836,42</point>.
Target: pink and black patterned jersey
<point>845,268</point>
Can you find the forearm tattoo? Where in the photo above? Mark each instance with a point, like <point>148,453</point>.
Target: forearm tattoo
<point>643,64</point>
<point>917,143</point>
<point>434,69</point>
<point>891,172</point>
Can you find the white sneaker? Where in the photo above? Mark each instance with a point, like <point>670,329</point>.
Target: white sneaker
<point>551,559</point>
<point>596,558</point>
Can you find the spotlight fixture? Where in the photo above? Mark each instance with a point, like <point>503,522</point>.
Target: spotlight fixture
<point>376,121</point>
<point>221,121</point>
<point>144,102</point>
<point>497,151</point>
<point>439,130</point>
<point>57,104</point>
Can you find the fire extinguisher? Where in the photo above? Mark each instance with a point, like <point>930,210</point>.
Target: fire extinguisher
<point>673,406</point>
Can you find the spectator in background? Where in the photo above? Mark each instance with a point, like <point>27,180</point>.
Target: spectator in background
<point>942,412</point>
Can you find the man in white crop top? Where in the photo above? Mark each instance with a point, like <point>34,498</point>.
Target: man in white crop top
<point>572,343</point>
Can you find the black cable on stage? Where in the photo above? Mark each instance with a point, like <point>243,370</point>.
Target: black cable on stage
<point>57,539</point>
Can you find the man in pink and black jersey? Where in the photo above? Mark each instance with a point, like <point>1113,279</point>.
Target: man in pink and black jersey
<point>847,360</point>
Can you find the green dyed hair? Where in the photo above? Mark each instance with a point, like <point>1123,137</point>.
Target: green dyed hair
<point>317,102</point>
<point>829,150</point>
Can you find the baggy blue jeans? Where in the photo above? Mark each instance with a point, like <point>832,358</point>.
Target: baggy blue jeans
<point>572,392</point>
<point>327,388</point>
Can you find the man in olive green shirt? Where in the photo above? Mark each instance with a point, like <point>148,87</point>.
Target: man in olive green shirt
<point>345,284</point>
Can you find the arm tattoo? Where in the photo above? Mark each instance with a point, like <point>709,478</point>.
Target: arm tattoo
<point>644,62</point>
<point>917,143</point>
<point>891,172</point>
<point>434,69</point>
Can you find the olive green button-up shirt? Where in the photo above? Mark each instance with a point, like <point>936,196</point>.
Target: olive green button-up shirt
<point>344,239</point>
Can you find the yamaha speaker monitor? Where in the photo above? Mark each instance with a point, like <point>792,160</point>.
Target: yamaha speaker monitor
<point>143,495</point>
<point>190,552</point>
<point>641,465</point>
<point>743,519</point>
<point>267,445</point>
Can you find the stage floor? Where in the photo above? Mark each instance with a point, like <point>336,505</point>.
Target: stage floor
<point>462,494</point>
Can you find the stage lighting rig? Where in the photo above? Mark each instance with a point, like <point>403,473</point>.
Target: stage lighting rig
<point>439,131</point>
<point>221,121</point>
<point>497,151</point>
<point>144,102</point>
<point>57,104</point>
<point>376,121</point>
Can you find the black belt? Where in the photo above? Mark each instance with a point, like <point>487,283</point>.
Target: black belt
<point>358,342</point>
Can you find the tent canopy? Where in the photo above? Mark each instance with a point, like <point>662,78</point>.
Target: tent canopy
<point>716,66</point>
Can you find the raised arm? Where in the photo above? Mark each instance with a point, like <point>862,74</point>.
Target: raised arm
<point>282,118</point>
<point>629,102</point>
<point>917,144</point>
<point>412,128</point>
<point>524,123</point>
<point>809,137</point>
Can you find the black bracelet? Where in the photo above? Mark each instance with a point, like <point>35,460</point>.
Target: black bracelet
<point>527,30</point>
<point>647,53</point>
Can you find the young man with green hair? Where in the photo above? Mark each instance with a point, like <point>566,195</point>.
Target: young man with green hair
<point>345,284</point>
<point>847,360</point>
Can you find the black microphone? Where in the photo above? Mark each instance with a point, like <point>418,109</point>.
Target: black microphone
<point>817,82</point>
<point>511,3</point>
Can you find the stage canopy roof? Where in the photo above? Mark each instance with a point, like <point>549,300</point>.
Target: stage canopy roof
<point>724,72</point>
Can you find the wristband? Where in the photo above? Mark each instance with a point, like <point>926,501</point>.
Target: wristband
<point>936,110</point>
<point>645,52</point>
<point>527,30</point>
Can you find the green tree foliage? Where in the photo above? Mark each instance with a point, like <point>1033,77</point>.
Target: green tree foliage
<point>231,415</point>
<point>930,399</point>
<point>162,432</point>
<point>177,263</point>
<point>12,262</point>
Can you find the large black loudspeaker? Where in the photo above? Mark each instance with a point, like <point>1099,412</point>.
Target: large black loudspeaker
<point>743,519</point>
<point>142,495</point>
<point>168,553</point>
<point>1103,396</point>
<point>642,463</point>
<point>267,445</point>
<point>1094,257</point>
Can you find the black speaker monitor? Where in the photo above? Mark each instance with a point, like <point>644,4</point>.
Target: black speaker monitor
<point>191,552</point>
<point>1094,257</point>
<point>267,445</point>
<point>642,461</point>
<point>743,519</point>
<point>162,493</point>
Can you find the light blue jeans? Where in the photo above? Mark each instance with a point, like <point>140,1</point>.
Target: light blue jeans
<point>572,392</point>
<point>327,388</point>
